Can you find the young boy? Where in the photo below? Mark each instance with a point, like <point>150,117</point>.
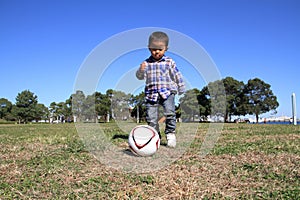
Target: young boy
<point>163,81</point>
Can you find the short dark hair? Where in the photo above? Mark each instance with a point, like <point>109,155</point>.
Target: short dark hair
<point>159,36</point>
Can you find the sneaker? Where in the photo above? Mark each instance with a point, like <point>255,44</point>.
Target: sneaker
<point>171,140</point>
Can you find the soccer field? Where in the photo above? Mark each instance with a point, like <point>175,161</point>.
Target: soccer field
<point>250,161</point>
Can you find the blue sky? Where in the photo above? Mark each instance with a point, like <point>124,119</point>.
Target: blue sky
<point>44,43</point>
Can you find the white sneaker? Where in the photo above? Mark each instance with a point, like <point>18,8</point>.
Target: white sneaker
<point>171,140</point>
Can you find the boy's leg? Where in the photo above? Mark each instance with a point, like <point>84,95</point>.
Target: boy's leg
<point>169,112</point>
<point>152,115</point>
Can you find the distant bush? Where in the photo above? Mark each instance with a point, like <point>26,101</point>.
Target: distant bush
<point>2,121</point>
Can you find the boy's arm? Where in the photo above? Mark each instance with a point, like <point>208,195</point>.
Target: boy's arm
<point>180,83</point>
<point>140,73</point>
<point>178,79</point>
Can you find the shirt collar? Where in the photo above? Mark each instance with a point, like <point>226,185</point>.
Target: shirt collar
<point>153,60</point>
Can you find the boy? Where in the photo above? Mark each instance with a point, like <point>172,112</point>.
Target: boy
<point>163,81</point>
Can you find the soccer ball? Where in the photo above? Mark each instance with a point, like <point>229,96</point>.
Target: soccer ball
<point>143,140</point>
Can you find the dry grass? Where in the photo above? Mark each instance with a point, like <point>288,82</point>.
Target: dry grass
<point>248,162</point>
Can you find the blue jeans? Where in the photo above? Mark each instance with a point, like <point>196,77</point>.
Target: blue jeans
<point>169,112</point>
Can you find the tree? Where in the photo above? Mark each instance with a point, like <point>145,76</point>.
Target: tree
<point>77,104</point>
<point>61,110</point>
<point>102,104</point>
<point>89,109</point>
<point>259,97</point>
<point>68,109</point>
<point>41,112</point>
<point>217,97</point>
<point>5,108</point>
<point>26,103</point>
<point>204,103</point>
<point>137,103</point>
<point>120,105</point>
<point>189,104</point>
<point>234,93</point>
<point>53,108</point>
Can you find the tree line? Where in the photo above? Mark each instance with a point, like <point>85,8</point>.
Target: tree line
<point>220,99</point>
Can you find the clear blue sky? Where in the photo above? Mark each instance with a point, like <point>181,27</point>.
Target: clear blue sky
<point>43,43</point>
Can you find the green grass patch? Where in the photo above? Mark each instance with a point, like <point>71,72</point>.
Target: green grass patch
<point>263,138</point>
<point>49,161</point>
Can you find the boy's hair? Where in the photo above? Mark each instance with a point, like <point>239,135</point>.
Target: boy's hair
<point>159,36</point>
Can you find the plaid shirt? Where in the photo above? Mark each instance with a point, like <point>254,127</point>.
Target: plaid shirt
<point>162,78</point>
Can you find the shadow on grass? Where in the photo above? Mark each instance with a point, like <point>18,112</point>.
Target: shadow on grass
<point>120,136</point>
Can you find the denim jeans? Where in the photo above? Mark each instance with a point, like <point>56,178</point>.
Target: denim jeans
<point>169,112</point>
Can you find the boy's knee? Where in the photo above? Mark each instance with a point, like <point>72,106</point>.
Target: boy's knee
<point>169,114</point>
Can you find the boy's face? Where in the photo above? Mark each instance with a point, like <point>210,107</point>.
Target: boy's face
<point>157,49</point>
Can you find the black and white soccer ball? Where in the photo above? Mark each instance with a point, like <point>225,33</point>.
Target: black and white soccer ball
<point>144,140</point>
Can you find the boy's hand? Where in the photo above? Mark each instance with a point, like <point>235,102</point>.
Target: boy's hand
<point>143,66</point>
<point>140,72</point>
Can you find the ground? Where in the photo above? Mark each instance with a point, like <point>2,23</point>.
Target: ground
<point>249,161</point>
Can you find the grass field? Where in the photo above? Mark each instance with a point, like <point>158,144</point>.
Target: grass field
<point>43,161</point>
